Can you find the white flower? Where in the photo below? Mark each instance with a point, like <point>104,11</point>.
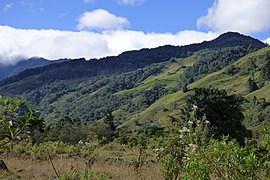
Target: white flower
<point>80,142</point>
<point>207,122</point>
<point>181,136</point>
<point>10,123</point>
<point>192,147</point>
<point>190,122</point>
<point>184,129</point>
<point>194,106</point>
<point>185,159</point>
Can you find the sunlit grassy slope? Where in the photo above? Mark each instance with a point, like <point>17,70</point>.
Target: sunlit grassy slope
<point>169,75</point>
<point>170,105</point>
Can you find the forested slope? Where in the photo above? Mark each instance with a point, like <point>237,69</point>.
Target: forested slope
<point>137,86</point>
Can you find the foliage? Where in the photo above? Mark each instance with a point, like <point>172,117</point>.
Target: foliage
<point>183,156</point>
<point>232,70</point>
<point>251,85</point>
<point>258,111</point>
<point>228,159</point>
<point>224,159</point>
<point>185,88</point>
<point>92,99</point>
<point>223,111</point>
<point>66,130</point>
<point>265,73</point>
<point>212,61</point>
<point>178,142</point>
<point>139,142</point>
<point>18,121</point>
<point>109,120</point>
<point>250,67</point>
<point>208,116</point>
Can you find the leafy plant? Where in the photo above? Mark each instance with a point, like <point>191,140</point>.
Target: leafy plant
<point>18,121</point>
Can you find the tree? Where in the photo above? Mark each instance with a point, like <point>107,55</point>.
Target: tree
<point>67,130</point>
<point>252,86</point>
<point>184,87</point>
<point>109,120</point>
<point>223,111</point>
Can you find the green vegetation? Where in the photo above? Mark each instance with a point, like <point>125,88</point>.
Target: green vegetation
<point>18,121</point>
<point>221,110</point>
<point>194,146</point>
<point>193,149</point>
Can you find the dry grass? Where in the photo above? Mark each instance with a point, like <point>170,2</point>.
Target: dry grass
<point>26,168</point>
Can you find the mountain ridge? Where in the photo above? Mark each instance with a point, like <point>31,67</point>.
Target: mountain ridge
<point>34,62</point>
<point>131,60</point>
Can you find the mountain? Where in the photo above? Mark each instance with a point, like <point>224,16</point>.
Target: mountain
<point>131,60</point>
<point>34,62</point>
<point>138,86</point>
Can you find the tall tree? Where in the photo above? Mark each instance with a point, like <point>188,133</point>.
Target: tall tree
<point>223,111</point>
<point>251,85</point>
<point>109,120</point>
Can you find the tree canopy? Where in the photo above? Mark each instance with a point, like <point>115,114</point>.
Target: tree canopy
<point>223,112</point>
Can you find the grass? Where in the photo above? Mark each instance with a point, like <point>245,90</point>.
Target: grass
<point>159,112</point>
<point>169,76</point>
<point>113,161</point>
<point>264,92</point>
<point>25,168</point>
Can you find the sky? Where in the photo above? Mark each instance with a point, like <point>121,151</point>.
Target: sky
<point>56,29</point>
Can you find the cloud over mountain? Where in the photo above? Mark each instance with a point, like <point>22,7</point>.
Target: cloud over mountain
<point>55,44</point>
<point>245,16</point>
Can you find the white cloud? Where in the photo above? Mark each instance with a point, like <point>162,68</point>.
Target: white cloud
<point>245,16</point>
<point>8,7</point>
<point>119,41</point>
<point>54,44</point>
<point>131,2</point>
<point>101,19</point>
<point>51,44</point>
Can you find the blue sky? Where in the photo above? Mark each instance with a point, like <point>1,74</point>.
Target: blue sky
<point>148,16</point>
<point>95,28</point>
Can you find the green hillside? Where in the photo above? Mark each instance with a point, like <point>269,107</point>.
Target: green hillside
<point>249,66</point>
<point>140,86</point>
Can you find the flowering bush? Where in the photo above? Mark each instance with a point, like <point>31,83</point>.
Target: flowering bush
<point>180,142</point>
<point>192,153</point>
